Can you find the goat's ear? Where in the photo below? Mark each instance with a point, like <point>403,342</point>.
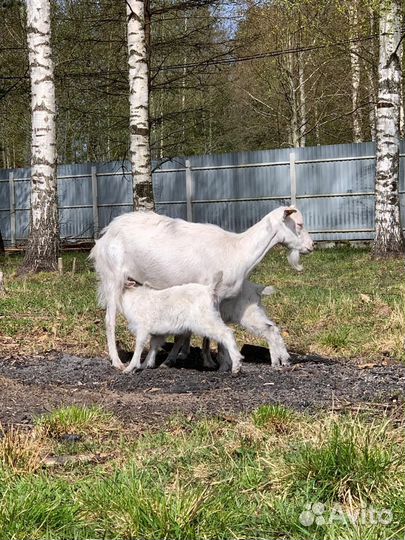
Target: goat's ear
<point>289,210</point>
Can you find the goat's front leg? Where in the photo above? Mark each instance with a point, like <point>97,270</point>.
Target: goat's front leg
<point>141,339</point>
<point>110,320</point>
<point>256,321</point>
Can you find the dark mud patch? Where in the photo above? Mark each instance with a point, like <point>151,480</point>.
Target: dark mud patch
<point>30,386</point>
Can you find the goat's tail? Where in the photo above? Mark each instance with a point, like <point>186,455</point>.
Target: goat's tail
<point>110,273</point>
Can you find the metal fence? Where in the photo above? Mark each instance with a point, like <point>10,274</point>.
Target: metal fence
<point>332,185</point>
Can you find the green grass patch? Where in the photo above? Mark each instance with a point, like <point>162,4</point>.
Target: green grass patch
<point>344,304</point>
<point>75,420</point>
<point>325,478</point>
<point>348,462</point>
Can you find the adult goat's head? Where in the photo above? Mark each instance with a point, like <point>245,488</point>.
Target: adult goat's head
<point>292,234</point>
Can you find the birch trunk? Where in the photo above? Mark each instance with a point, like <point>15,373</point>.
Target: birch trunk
<point>183,89</point>
<point>139,107</point>
<point>372,115</point>
<point>389,239</point>
<point>43,243</point>
<point>355,71</point>
<point>294,128</point>
<point>302,100</point>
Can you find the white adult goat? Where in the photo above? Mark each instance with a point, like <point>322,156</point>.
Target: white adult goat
<point>166,252</point>
<point>176,310</point>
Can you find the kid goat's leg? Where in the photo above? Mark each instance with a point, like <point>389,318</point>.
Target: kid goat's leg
<point>217,329</point>
<point>141,339</point>
<point>155,343</point>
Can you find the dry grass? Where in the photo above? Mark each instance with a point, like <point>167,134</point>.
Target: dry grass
<point>22,452</point>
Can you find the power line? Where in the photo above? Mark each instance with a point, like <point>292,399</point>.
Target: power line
<point>218,61</point>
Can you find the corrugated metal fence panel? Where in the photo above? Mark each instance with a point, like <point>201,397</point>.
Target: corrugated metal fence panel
<point>114,185</point>
<point>334,186</point>
<point>4,205</point>
<point>347,173</point>
<point>22,202</point>
<point>75,201</point>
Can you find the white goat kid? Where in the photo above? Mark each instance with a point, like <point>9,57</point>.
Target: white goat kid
<point>176,310</point>
<point>245,309</point>
<point>166,252</point>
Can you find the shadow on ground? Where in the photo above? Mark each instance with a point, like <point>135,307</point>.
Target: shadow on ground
<point>31,386</point>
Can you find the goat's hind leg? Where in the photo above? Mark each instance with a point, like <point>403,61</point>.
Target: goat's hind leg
<point>110,322</point>
<point>208,362</point>
<point>217,329</point>
<point>180,342</point>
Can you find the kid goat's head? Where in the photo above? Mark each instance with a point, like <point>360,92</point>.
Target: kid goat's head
<point>293,235</point>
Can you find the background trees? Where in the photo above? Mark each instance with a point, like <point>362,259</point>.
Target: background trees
<point>223,76</point>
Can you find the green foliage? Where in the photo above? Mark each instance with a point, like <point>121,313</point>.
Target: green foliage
<point>38,507</point>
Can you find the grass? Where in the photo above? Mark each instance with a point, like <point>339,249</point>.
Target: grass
<point>211,479</point>
<point>75,420</point>
<point>344,304</point>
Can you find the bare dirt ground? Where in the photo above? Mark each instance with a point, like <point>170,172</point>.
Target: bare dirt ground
<point>31,386</point>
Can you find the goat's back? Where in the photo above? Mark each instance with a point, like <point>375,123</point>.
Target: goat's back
<point>162,251</point>
<point>168,311</point>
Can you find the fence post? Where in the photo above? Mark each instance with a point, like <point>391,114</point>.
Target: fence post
<point>189,191</point>
<point>94,191</point>
<point>12,209</point>
<point>293,179</point>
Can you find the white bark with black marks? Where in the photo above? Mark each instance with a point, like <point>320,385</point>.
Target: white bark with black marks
<point>302,101</point>
<point>43,242</point>
<point>389,239</point>
<point>355,72</point>
<point>139,107</point>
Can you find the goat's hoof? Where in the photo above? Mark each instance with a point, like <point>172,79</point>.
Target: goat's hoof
<point>224,367</point>
<point>237,372</point>
<point>281,361</point>
<point>119,366</point>
<point>168,364</point>
<point>164,365</point>
<point>129,369</point>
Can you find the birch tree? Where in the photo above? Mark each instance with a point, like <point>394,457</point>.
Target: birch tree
<point>355,71</point>
<point>139,107</point>
<point>389,239</point>
<point>43,243</point>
